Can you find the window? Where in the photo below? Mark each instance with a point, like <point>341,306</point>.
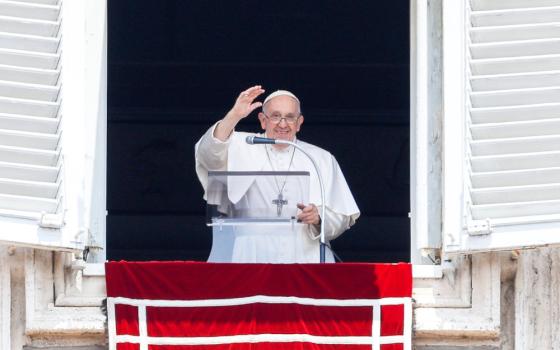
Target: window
<point>170,81</point>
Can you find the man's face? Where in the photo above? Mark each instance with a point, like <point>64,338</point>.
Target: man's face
<point>285,108</point>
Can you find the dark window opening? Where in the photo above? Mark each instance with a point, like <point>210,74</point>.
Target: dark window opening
<point>175,67</point>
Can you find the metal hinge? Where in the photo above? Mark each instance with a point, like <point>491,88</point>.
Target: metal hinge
<point>480,227</point>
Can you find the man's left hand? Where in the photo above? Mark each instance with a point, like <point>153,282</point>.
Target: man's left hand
<point>309,214</point>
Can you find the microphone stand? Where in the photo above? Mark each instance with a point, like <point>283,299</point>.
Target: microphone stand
<point>252,140</point>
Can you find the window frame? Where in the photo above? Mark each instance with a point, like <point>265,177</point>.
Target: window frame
<point>425,238</point>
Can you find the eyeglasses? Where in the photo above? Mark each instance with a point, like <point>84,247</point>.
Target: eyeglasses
<point>276,119</point>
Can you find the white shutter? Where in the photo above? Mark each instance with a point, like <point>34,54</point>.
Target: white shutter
<point>31,192</point>
<point>511,194</point>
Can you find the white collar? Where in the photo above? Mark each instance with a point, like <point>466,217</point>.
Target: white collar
<point>275,150</point>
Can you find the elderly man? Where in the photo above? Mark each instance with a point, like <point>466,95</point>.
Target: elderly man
<point>222,148</point>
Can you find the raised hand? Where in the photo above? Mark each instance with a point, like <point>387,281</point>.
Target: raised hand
<point>243,106</point>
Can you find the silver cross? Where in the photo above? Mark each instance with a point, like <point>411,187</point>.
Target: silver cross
<point>280,202</point>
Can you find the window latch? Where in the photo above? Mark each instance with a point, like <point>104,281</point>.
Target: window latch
<point>54,221</point>
<point>479,227</point>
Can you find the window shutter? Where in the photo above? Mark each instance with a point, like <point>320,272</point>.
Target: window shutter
<point>511,194</point>
<point>31,167</point>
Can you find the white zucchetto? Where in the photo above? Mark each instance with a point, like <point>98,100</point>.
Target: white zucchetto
<point>280,93</point>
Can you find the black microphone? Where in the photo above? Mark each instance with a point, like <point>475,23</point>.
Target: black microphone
<point>255,140</point>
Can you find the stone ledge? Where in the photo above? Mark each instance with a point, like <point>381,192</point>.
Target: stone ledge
<point>67,321</point>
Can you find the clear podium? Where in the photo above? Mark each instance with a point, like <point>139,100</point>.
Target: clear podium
<point>241,198</point>
<point>254,214</point>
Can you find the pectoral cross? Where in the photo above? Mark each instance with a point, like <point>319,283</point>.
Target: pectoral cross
<point>280,202</point>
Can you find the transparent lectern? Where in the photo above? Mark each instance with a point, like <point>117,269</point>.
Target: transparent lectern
<point>247,208</point>
<point>241,198</point>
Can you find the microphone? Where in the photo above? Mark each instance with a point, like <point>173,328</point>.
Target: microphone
<point>255,140</point>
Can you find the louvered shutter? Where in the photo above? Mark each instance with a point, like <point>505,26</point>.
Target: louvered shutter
<point>31,168</point>
<point>511,193</point>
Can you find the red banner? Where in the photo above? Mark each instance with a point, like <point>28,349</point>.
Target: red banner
<point>208,306</point>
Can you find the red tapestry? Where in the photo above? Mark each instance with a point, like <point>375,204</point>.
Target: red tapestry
<point>210,306</point>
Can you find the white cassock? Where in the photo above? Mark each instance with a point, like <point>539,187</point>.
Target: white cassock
<point>274,244</point>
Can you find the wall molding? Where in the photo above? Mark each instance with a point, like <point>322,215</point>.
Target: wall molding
<point>478,321</point>
<point>43,318</point>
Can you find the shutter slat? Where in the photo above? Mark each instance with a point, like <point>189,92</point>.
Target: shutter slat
<point>512,65</point>
<point>515,210</point>
<point>515,113</point>
<point>515,145</point>
<point>31,59</point>
<point>515,161</point>
<point>515,81</point>
<point>543,127</point>
<point>28,26</point>
<point>28,172</point>
<point>510,4</point>
<point>516,48</point>
<point>29,188</point>
<point>515,97</point>
<point>28,156</point>
<point>28,42</point>
<point>530,193</point>
<point>515,32</point>
<point>23,203</point>
<point>29,75</point>
<point>44,2</point>
<point>28,139</point>
<point>28,107</point>
<point>28,91</point>
<point>26,123</point>
<point>515,16</point>
<point>29,10</point>
<point>534,176</point>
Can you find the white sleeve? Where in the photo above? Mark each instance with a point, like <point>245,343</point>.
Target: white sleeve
<point>211,152</point>
<point>335,225</point>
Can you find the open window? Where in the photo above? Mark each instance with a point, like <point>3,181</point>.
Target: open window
<point>501,125</point>
<point>169,82</point>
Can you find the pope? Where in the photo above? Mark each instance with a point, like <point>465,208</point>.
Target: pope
<point>222,148</point>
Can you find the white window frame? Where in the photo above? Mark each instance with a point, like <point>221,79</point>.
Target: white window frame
<point>454,113</point>
<point>84,84</point>
<point>90,87</point>
<point>425,238</point>
<point>96,119</point>
<point>425,146</point>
